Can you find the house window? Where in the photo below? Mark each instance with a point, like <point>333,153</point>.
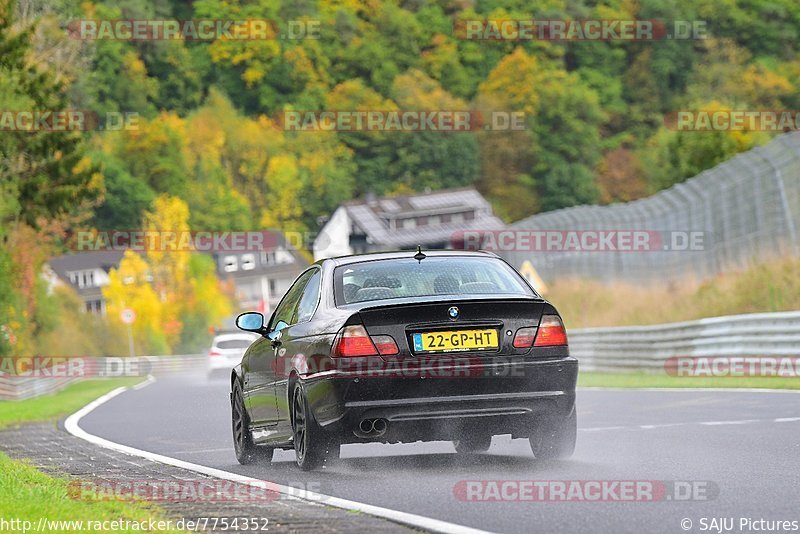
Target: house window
<point>283,256</point>
<point>267,258</point>
<point>434,220</point>
<point>456,218</point>
<point>91,279</point>
<point>272,286</point>
<point>409,223</point>
<point>248,262</point>
<point>230,264</point>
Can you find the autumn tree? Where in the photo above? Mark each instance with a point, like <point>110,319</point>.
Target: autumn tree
<point>47,183</point>
<point>130,287</point>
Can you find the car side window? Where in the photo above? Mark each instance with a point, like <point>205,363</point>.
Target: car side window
<point>288,306</point>
<point>308,303</point>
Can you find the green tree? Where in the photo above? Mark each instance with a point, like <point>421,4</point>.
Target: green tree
<point>46,181</point>
<point>126,196</point>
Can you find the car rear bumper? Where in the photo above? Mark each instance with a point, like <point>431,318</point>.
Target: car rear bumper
<point>505,397</point>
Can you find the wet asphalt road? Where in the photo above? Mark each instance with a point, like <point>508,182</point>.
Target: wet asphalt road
<point>740,448</point>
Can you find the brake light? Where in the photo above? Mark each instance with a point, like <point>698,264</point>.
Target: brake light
<point>214,353</point>
<point>524,337</point>
<point>354,341</point>
<point>551,332</point>
<point>386,345</point>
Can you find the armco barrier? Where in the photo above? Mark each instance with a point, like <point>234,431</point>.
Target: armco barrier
<point>22,387</point>
<point>609,349</point>
<point>646,348</point>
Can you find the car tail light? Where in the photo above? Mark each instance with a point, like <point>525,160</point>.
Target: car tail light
<point>354,341</point>
<point>524,337</point>
<point>386,345</point>
<point>551,332</point>
<point>214,353</point>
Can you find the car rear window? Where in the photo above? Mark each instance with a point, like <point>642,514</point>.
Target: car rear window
<point>233,343</point>
<point>407,277</point>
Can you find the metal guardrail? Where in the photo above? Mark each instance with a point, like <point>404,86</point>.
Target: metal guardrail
<point>647,348</point>
<point>610,349</point>
<point>26,387</point>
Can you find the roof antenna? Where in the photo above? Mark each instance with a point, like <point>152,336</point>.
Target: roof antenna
<point>419,256</point>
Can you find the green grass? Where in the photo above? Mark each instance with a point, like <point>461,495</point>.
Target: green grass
<point>27,494</point>
<point>67,401</point>
<point>641,380</point>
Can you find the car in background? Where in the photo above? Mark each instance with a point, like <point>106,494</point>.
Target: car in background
<point>227,349</point>
<point>404,347</point>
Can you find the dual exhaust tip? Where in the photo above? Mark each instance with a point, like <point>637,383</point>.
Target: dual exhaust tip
<point>372,427</point>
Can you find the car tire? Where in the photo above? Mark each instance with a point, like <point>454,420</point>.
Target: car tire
<point>312,447</point>
<point>556,440</point>
<point>243,445</point>
<point>473,444</point>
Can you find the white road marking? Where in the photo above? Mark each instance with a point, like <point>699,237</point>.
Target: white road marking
<point>201,451</point>
<point>141,385</point>
<point>72,425</point>
<point>742,422</point>
<point>689,423</point>
<point>715,390</point>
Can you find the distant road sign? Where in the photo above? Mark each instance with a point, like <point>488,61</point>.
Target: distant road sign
<point>128,316</point>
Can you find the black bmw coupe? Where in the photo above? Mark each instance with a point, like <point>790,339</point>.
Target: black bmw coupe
<point>402,347</point>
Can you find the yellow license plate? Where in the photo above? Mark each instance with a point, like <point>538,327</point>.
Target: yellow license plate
<point>455,340</point>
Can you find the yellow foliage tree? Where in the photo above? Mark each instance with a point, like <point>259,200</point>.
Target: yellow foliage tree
<point>517,78</point>
<point>169,258</point>
<point>129,287</point>
<point>284,185</point>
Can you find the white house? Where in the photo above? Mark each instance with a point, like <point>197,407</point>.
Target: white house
<point>431,220</point>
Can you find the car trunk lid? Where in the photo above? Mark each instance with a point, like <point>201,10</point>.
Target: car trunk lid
<point>462,325</point>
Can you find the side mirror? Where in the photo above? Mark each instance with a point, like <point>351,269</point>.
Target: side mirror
<point>251,322</point>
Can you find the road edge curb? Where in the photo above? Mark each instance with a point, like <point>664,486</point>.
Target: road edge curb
<point>72,426</point>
